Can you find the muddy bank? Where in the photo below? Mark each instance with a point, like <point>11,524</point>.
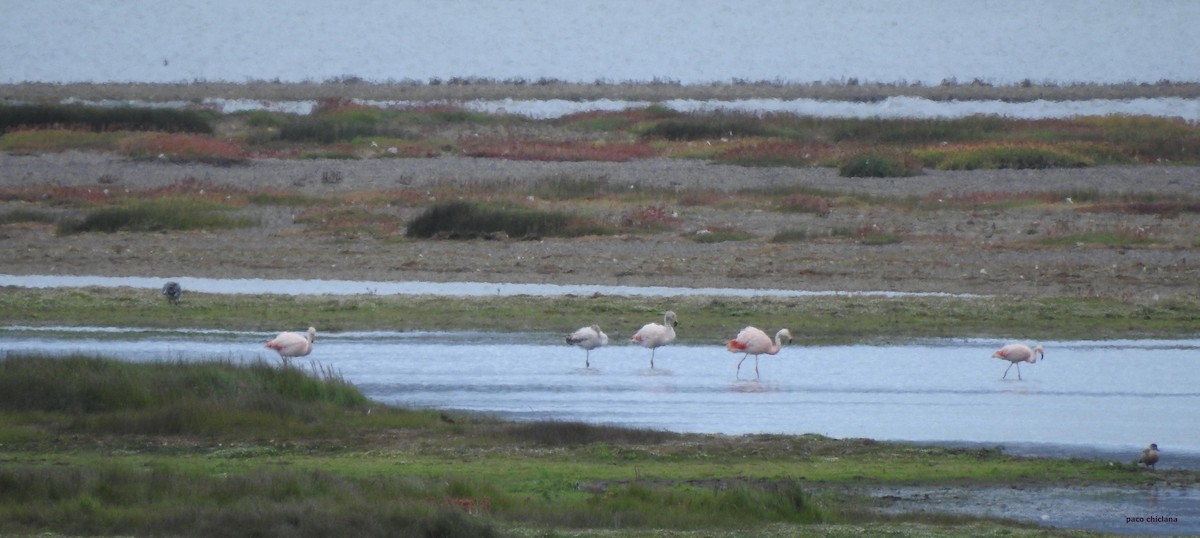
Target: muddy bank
<point>966,249</point>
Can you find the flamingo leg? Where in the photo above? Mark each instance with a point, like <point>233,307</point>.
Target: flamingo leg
<point>652,350</point>
<point>587,359</point>
<point>756,376</point>
<point>1010,365</point>
<point>739,367</point>
<point>1018,371</point>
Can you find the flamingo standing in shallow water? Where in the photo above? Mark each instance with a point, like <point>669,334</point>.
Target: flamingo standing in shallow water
<point>588,338</point>
<point>752,341</point>
<point>1016,354</point>
<point>293,344</point>
<point>653,335</point>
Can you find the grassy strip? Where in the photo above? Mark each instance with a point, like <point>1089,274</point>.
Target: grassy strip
<point>333,462</point>
<point>155,215</point>
<point>103,119</point>
<point>836,319</point>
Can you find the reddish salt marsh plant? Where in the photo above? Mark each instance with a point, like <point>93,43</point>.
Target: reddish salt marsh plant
<point>182,148</point>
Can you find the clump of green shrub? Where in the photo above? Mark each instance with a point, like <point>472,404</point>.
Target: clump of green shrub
<point>707,127</point>
<point>1014,156</point>
<point>103,119</point>
<point>879,165</point>
<point>466,220</point>
<point>155,215</point>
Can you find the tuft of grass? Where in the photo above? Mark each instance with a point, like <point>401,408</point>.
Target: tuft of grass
<point>26,215</point>
<point>467,220</point>
<point>40,140</point>
<point>706,127</point>
<point>103,119</point>
<point>174,398</point>
<point>1104,238</point>
<point>992,156</point>
<point>879,165</point>
<point>155,215</point>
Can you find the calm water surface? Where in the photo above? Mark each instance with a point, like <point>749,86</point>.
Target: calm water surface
<point>1099,398</point>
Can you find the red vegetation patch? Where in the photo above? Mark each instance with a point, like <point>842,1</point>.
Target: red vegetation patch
<point>182,148</point>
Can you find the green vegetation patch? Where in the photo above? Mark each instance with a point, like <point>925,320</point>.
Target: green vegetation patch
<point>156,215</point>
<point>467,220</point>
<point>1002,156</point>
<point>103,119</point>
<point>879,165</point>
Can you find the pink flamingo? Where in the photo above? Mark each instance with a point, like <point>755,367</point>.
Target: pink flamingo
<point>752,341</point>
<point>1016,354</point>
<point>293,344</point>
<point>588,338</point>
<point>653,335</point>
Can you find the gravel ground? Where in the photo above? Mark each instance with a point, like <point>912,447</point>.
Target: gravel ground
<point>975,250</point>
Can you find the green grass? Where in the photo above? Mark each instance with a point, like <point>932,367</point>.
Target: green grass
<point>330,462</point>
<point>155,215</point>
<point>1002,156</point>
<point>707,320</point>
<point>46,140</point>
<point>103,119</point>
<point>26,215</point>
<point>467,220</point>
<point>879,165</point>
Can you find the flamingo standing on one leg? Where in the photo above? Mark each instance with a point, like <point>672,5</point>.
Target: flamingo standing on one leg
<point>1149,456</point>
<point>752,341</point>
<point>653,335</point>
<point>1016,354</point>
<point>293,344</point>
<point>588,338</point>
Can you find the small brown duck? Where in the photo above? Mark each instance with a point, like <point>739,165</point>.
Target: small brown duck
<point>1149,456</point>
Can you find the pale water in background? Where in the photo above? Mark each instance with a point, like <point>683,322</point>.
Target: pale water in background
<point>918,41</point>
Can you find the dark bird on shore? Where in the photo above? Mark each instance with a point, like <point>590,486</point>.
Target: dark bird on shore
<point>172,290</point>
<point>1149,456</point>
<point>588,338</point>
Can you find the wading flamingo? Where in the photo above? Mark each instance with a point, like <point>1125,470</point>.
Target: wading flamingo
<point>1149,456</point>
<point>293,344</point>
<point>172,290</point>
<point>1016,354</point>
<point>588,338</point>
<point>752,341</point>
<point>653,335</point>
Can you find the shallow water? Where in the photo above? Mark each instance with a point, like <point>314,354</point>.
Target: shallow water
<point>1106,398</point>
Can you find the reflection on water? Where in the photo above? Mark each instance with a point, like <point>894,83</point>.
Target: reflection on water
<point>1113,397</point>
